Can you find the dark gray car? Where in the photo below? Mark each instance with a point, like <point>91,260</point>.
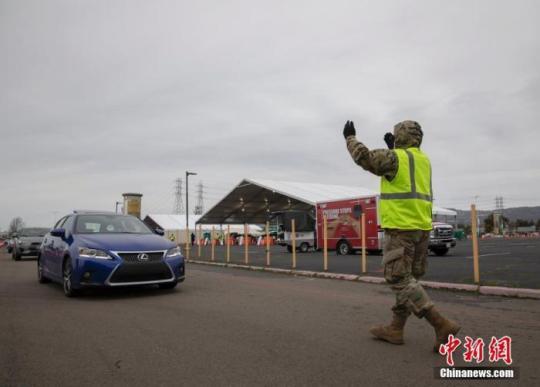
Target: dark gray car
<point>27,242</point>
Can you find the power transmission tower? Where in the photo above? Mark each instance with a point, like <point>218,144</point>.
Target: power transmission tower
<point>499,204</point>
<point>199,208</point>
<point>498,222</point>
<point>178,203</point>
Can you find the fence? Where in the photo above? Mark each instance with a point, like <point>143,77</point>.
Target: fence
<point>463,266</point>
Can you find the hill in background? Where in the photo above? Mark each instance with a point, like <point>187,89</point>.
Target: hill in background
<point>525,213</point>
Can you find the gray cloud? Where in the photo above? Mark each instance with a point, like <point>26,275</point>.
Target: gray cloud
<point>99,98</point>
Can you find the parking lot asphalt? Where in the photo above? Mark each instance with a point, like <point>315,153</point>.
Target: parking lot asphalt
<point>234,327</point>
<point>503,262</point>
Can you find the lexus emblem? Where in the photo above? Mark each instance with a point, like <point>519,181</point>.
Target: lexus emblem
<point>143,257</point>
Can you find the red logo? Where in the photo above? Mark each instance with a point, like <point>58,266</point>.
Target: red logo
<point>499,349</point>
<point>474,350</point>
<point>449,348</point>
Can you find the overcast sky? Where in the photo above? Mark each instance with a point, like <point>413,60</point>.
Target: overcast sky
<point>103,97</point>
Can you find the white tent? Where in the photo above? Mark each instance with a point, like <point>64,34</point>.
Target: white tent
<point>253,199</point>
<point>443,211</point>
<point>313,192</point>
<point>174,226</point>
<point>444,215</point>
<point>173,221</point>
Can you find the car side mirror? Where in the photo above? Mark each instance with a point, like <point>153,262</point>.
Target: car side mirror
<point>159,231</point>
<point>58,232</point>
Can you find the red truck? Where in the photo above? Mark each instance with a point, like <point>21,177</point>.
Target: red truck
<point>344,224</point>
<point>344,227</point>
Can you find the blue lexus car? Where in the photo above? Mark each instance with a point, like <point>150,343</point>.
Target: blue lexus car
<point>105,249</point>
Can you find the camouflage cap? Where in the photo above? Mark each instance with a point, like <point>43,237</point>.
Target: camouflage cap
<point>408,134</point>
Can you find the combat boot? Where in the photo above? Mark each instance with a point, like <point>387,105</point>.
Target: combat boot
<point>443,327</point>
<point>392,333</point>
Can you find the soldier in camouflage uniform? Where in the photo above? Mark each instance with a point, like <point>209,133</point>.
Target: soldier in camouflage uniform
<point>405,251</point>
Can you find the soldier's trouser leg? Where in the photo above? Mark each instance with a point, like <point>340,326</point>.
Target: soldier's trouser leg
<point>419,265</point>
<point>404,259</point>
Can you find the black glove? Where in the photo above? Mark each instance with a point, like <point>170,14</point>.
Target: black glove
<point>389,140</point>
<point>349,130</point>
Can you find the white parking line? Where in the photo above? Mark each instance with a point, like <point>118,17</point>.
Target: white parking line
<point>487,255</point>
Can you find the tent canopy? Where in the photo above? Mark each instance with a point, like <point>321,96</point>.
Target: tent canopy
<point>173,221</point>
<point>252,200</point>
<point>443,211</point>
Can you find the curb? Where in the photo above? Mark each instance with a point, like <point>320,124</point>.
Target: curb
<point>484,290</point>
<point>450,286</point>
<point>510,292</point>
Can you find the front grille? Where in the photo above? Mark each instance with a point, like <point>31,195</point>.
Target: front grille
<point>141,272</point>
<point>36,244</point>
<point>444,232</point>
<point>155,256</point>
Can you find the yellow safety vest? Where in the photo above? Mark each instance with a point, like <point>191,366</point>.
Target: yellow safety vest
<point>406,200</point>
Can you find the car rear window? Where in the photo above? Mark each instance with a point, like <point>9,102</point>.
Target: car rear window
<point>33,232</point>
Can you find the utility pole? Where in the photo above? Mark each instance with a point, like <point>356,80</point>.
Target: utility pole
<point>178,205</point>
<point>199,208</point>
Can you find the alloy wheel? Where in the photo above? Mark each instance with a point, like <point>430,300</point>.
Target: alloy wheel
<point>67,278</point>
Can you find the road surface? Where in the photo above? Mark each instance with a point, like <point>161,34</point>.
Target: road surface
<point>513,263</point>
<point>234,327</point>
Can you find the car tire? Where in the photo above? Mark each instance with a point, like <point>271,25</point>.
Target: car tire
<point>343,248</point>
<point>41,277</point>
<point>440,251</point>
<point>67,275</point>
<point>289,248</point>
<point>168,285</point>
<point>304,247</point>
<point>16,256</point>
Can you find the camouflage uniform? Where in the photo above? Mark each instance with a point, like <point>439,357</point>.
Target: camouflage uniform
<point>404,251</point>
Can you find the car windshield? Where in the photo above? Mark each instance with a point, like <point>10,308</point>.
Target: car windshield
<point>110,224</point>
<point>33,232</point>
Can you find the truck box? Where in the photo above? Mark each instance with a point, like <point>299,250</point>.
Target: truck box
<point>344,224</point>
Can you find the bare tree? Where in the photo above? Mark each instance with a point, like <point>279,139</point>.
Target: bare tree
<point>16,224</point>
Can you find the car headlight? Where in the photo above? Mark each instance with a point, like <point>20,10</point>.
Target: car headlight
<point>85,252</point>
<point>432,234</point>
<point>174,252</point>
